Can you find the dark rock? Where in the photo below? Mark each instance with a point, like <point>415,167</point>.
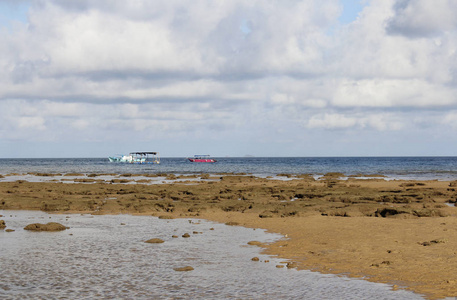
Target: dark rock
<point>155,241</point>
<point>387,212</point>
<point>254,243</point>
<point>291,265</point>
<point>266,214</point>
<point>184,269</point>
<point>232,223</point>
<point>432,242</point>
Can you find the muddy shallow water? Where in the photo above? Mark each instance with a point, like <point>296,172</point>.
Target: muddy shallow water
<point>106,257</point>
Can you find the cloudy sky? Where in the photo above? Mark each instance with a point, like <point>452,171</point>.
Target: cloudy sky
<point>228,78</point>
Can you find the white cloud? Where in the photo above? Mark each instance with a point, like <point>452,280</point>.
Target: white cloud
<point>81,125</point>
<point>262,70</point>
<point>393,93</point>
<point>422,18</point>
<point>364,50</point>
<point>36,123</point>
<point>58,109</point>
<point>450,119</point>
<point>331,121</point>
<point>384,122</point>
<point>172,36</point>
<point>370,121</point>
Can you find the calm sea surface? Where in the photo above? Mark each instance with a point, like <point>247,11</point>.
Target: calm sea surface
<point>100,258</point>
<point>441,168</point>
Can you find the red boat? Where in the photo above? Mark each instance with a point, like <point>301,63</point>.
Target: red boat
<point>202,158</point>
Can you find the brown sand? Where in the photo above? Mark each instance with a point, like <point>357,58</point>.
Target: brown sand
<point>397,232</point>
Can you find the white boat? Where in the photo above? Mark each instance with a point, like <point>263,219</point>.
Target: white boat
<point>137,158</point>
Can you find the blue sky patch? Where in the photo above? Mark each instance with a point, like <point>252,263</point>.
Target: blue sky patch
<point>13,11</point>
<point>351,9</point>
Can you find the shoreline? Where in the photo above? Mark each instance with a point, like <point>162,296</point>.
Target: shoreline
<point>403,233</point>
<point>161,177</point>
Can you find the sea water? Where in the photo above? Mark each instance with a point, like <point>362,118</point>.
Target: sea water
<point>106,257</point>
<point>421,168</point>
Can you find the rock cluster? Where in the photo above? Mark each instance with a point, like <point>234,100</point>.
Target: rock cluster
<point>268,199</point>
<point>52,226</point>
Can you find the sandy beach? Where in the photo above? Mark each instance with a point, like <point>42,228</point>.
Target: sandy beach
<point>399,232</point>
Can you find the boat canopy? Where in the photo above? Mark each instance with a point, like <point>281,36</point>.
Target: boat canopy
<point>144,153</point>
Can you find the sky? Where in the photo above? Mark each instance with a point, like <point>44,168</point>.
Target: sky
<point>228,78</point>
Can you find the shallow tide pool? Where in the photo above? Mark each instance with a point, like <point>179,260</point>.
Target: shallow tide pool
<point>106,257</point>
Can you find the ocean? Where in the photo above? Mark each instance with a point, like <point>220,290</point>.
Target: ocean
<point>420,168</point>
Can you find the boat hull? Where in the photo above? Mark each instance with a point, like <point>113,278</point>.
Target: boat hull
<point>202,160</point>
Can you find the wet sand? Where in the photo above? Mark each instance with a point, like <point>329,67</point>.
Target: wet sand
<point>399,232</point>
